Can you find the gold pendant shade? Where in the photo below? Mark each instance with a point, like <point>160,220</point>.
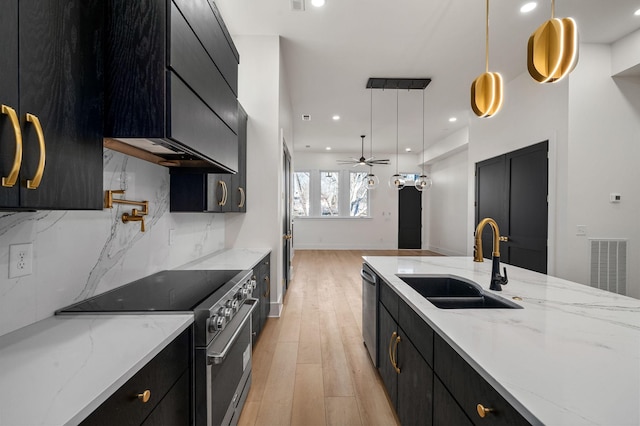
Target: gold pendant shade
<point>486,90</point>
<point>486,94</point>
<point>552,51</point>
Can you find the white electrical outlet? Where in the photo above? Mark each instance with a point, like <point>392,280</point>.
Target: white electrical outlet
<point>20,260</point>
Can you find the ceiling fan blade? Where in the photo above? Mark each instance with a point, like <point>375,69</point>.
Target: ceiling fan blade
<point>385,162</point>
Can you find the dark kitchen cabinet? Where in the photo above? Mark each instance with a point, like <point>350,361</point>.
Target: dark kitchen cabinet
<point>262,292</point>
<point>171,82</point>
<point>166,378</point>
<point>405,372</point>
<point>446,410</point>
<point>202,192</point>
<point>468,389</point>
<point>52,105</point>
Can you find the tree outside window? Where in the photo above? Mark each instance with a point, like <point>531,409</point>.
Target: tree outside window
<point>329,192</point>
<point>301,194</point>
<point>358,194</point>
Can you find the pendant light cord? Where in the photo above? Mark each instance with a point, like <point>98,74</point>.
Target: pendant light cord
<point>371,124</point>
<point>422,168</point>
<point>397,126</point>
<point>487,39</point>
<point>553,9</point>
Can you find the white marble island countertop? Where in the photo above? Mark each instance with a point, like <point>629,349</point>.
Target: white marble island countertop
<point>571,356</point>
<point>58,370</point>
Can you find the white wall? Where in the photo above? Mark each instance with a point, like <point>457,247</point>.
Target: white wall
<point>445,218</point>
<point>78,254</point>
<point>260,93</point>
<point>604,149</point>
<point>378,232</point>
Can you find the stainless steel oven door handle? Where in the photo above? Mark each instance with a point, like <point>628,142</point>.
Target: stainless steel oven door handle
<point>216,355</point>
<point>367,277</point>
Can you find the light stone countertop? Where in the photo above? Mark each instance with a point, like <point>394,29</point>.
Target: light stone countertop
<point>570,357</point>
<point>228,259</point>
<point>59,370</point>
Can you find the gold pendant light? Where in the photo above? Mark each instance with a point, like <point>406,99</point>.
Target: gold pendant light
<point>552,51</point>
<point>486,90</point>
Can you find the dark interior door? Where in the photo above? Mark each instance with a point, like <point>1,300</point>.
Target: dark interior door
<point>287,229</point>
<point>409,218</point>
<point>512,189</point>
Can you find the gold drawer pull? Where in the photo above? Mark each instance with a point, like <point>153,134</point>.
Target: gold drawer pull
<point>144,396</point>
<point>11,180</point>
<point>483,411</point>
<point>35,182</point>
<point>395,356</point>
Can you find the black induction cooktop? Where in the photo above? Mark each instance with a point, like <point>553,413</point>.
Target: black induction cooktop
<point>165,291</point>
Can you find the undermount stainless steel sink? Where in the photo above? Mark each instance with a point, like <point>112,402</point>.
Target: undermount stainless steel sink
<point>451,292</point>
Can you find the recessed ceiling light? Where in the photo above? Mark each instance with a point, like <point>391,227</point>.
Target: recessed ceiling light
<point>637,12</point>
<point>328,148</point>
<point>317,3</point>
<point>453,120</point>
<point>528,7</point>
<point>408,149</point>
<point>336,117</point>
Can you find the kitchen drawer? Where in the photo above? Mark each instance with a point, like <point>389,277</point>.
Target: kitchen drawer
<point>196,126</point>
<point>174,409</point>
<point>469,389</point>
<point>207,24</point>
<point>416,330</point>
<point>192,63</point>
<point>389,299</point>
<point>158,376</point>
<point>446,410</point>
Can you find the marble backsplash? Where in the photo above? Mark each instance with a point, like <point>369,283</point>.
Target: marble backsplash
<point>77,254</point>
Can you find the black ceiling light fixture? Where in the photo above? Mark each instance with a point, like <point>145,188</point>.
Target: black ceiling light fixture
<point>397,181</point>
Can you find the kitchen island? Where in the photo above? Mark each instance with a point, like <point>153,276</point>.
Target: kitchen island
<point>571,356</point>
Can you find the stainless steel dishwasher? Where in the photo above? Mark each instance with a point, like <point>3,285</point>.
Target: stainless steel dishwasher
<point>370,288</point>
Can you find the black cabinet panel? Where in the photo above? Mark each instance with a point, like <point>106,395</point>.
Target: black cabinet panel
<point>198,192</point>
<point>207,23</point>
<point>239,180</point>
<point>446,410</point>
<point>158,376</point>
<point>8,96</point>
<point>175,407</point>
<point>386,340</point>
<point>193,124</point>
<point>191,62</point>
<point>469,389</point>
<point>417,330</point>
<point>415,385</point>
<point>389,298</point>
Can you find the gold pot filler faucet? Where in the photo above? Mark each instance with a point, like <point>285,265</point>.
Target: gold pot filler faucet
<point>497,280</point>
<point>136,215</point>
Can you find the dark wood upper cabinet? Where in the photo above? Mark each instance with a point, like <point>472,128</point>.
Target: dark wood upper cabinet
<point>171,81</point>
<point>52,79</point>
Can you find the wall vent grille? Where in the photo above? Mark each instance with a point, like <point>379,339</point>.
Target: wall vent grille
<point>297,5</point>
<point>609,265</point>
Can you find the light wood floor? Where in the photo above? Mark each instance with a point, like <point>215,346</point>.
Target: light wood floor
<point>310,366</point>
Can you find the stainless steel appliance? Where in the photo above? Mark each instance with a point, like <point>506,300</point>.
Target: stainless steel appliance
<point>222,308</point>
<point>370,289</point>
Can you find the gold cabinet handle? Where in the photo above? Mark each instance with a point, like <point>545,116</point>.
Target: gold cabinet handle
<point>144,396</point>
<point>35,182</point>
<point>242,197</point>
<point>483,411</point>
<point>393,337</point>
<point>223,199</point>
<point>268,292</point>
<point>395,356</point>
<point>504,239</point>
<point>11,180</point>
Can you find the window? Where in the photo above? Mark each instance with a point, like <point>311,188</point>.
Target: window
<point>329,193</point>
<point>358,195</point>
<point>301,194</point>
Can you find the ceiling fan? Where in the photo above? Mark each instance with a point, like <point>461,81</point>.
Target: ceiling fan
<point>364,161</point>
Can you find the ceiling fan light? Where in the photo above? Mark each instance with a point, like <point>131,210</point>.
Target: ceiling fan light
<point>372,181</point>
<point>396,182</point>
<point>423,182</point>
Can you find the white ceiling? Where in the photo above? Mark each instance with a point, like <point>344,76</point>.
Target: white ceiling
<point>330,52</point>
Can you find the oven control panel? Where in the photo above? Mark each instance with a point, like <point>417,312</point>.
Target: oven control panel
<point>228,305</point>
